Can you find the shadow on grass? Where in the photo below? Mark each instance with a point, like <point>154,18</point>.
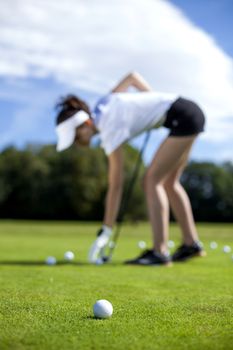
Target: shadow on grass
<point>58,263</point>
<point>89,317</point>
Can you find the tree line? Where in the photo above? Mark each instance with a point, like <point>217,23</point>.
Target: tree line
<point>39,183</point>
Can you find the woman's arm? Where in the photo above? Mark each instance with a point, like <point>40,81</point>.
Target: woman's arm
<point>113,199</point>
<point>132,79</point>
<point>115,186</point>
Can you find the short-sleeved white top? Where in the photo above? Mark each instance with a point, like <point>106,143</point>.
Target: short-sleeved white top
<point>121,116</point>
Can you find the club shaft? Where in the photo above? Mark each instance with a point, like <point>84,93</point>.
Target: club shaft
<point>126,197</point>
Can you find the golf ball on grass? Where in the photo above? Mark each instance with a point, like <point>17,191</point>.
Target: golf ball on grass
<point>141,244</point>
<point>213,245</point>
<point>111,244</point>
<point>69,256</point>
<point>102,309</point>
<point>51,260</point>
<point>99,261</point>
<point>226,249</point>
<point>171,244</point>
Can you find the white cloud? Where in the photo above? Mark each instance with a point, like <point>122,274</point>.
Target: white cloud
<point>90,44</point>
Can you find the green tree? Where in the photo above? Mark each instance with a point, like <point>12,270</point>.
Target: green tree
<point>39,183</point>
<point>210,188</point>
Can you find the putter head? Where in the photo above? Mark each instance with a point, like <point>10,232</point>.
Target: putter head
<point>107,258</point>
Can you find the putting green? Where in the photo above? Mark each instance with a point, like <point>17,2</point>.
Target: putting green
<point>187,306</point>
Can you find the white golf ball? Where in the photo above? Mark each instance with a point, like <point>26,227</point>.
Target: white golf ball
<point>51,260</point>
<point>227,249</point>
<point>69,256</point>
<point>103,309</point>
<point>213,245</point>
<point>171,244</point>
<point>141,244</point>
<point>99,261</point>
<point>111,244</point>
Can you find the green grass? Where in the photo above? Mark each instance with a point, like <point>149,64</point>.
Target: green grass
<point>187,306</point>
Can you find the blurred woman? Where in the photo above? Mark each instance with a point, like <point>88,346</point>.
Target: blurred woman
<point>118,117</point>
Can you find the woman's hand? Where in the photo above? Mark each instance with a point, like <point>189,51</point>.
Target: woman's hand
<point>132,79</point>
<point>96,251</point>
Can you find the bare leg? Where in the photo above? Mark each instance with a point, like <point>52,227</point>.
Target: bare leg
<point>180,203</point>
<point>171,153</point>
<point>158,210</point>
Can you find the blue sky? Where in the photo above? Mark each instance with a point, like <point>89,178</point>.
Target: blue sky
<point>178,46</point>
<point>215,16</point>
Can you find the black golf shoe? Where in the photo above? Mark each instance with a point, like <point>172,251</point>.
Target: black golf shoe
<point>148,258</point>
<point>185,252</point>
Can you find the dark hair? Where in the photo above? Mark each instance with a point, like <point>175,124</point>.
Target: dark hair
<point>68,106</point>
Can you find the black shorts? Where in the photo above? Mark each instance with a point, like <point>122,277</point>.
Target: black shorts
<point>184,118</point>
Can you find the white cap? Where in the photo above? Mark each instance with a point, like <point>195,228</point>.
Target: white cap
<point>66,130</point>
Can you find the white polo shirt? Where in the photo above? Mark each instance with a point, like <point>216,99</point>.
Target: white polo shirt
<point>121,116</point>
